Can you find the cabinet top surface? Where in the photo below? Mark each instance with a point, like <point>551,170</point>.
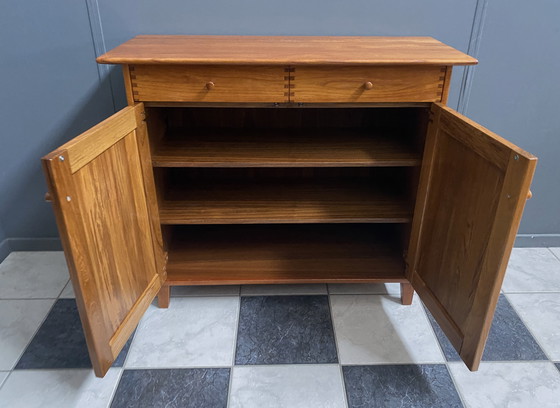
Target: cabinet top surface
<point>289,50</point>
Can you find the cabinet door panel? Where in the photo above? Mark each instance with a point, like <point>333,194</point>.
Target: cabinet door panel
<point>473,188</point>
<point>104,199</point>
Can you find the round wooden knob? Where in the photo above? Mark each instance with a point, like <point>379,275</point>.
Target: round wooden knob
<point>210,85</point>
<point>368,85</point>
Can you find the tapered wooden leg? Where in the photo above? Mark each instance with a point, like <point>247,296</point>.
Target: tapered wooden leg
<point>163,297</point>
<point>406,293</point>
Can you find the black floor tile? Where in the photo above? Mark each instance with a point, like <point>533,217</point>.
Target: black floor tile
<point>508,340</point>
<point>60,341</point>
<point>419,386</point>
<point>198,387</point>
<point>285,330</point>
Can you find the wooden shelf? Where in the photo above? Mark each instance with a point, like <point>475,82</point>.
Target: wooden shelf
<point>281,201</point>
<point>330,147</point>
<point>206,255</point>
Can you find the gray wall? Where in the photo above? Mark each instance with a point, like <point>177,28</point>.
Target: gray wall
<point>52,89</point>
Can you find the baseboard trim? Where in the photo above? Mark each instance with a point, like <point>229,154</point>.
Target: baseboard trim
<point>537,240</point>
<point>28,244</point>
<point>4,249</point>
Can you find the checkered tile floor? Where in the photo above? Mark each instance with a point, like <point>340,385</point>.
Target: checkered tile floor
<point>279,346</point>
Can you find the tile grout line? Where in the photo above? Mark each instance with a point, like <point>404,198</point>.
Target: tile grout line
<point>116,386</point>
<point>135,333</point>
<point>34,333</point>
<point>528,328</point>
<point>341,372</point>
<point>62,290</point>
<point>492,362</point>
<point>553,253</point>
<point>446,361</point>
<point>6,379</point>
<point>232,365</point>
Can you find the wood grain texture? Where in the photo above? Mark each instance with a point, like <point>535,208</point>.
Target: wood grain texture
<point>407,293</point>
<point>254,202</point>
<point>84,148</point>
<point>173,83</point>
<point>106,225</point>
<point>332,84</point>
<point>472,192</point>
<point>284,254</point>
<point>127,77</point>
<point>163,296</point>
<point>334,147</point>
<point>284,50</point>
<point>446,84</point>
<point>143,142</point>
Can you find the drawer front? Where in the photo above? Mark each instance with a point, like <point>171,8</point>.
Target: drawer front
<point>179,83</point>
<point>367,84</point>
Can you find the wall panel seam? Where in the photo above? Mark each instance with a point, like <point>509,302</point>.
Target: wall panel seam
<point>98,40</point>
<point>475,40</point>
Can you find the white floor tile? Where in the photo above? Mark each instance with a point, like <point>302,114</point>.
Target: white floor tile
<point>193,332</point>
<point>512,385</point>
<point>555,251</point>
<point>376,329</point>
<point>58,389</point>
<point>392,289</point>
<point>541,314</point>
<point>68,292</point>
<point>33,275</point>
<point>3,376</point>
<point>287,386</point>
<point>19,320</point>
<point>225,290</point>
<point>269,290</point>
<point>532,270</point>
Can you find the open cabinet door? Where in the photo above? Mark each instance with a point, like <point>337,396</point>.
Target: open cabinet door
<point>473,187</point>
<point>103,193</point>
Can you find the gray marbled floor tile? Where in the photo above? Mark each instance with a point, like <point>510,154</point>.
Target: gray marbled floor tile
<point>508,339</point>
<point>195,387</point>
<point>378,329</point>
<point>532,270</point>
<point>60,341</point>
<point>541,314</point>
<point>426,385</point>
<point>519,384</point>
<point>58,389</point>
<point>19,320</point>
<point>195,331</point>
<point>285,330</point>
<point>290,386</point>
<point>25,275</point>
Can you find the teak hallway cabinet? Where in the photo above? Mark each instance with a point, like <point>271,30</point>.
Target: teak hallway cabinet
<point>244,160</point>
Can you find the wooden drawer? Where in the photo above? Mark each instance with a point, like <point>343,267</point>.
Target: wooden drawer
<point>204,83</point>
<point>367,84</point>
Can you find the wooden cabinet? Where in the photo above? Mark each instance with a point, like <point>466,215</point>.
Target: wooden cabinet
<point>287,160</point>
